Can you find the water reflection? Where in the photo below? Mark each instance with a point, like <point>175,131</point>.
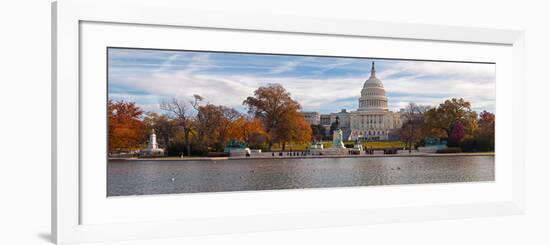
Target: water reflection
<point>163,177</point>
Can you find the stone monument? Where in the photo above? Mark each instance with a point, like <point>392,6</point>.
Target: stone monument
<point>337,136</point>
<point>357,148</point>
<point>338,147</point>
<point>337,142</point>
<point>152,146</point>
<point>315,148</point>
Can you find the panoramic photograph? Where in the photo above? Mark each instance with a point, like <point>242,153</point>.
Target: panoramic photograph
<point>204,121</point>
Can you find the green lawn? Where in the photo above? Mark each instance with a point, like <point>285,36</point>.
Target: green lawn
<point>290,146</point>
<point>384,144</point>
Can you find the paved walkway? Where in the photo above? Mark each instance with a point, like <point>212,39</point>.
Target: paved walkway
<point>268,155</point>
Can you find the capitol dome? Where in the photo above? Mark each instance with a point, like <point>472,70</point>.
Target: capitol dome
<point>373,94</point>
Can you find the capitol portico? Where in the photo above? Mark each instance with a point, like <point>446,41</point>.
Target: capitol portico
<point>371,121</point>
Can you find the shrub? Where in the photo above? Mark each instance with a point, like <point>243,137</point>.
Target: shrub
<point>349,145</point>
<point>450,150</point>
<point>470,145</point>
<point>421,143</point>
<point>262,146</point>
<point>477,144</point>
<point>176,149</point>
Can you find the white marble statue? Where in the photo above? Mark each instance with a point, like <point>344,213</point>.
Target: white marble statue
<point>152,146</point>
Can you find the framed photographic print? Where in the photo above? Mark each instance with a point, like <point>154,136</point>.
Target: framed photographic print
<point>203,121</point>
<point>162,114</point>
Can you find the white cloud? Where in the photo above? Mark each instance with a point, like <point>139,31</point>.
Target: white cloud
<point>473,72</point>
<point>287,66</point>
<point>426,83</point>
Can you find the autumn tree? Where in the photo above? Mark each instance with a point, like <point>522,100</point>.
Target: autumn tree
<point>230,115</point>
<point>249,130</point>
<point>301,130</point>
<point>125,128</point>
<point>207,124</point>
<point>442,118</point>
<point>183,115</point>
<point>486,130</point>
<point>292,128</point>
<point>413,123</point>
<point>486,124</point>
<point>213,125</point>
<point>457,134</point>
<point>273,105</point>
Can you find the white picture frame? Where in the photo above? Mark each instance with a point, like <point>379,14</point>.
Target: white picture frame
<point>69,200</point>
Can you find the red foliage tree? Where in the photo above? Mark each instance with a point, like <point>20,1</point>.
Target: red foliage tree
<point>457,134</point>
<point>487,124</point>
<point>125,127</point>
<point>486,134</point>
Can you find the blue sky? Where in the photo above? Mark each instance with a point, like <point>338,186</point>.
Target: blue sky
<point>324,84</point>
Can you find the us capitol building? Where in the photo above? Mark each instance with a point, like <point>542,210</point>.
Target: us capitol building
<point>371,121</point>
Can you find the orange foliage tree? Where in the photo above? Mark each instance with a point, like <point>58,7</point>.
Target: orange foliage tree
<point>125,127</point>
<point>248,130</point>
<point>292,128</point>
<point>302,130</point>
<point>279,113</point>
